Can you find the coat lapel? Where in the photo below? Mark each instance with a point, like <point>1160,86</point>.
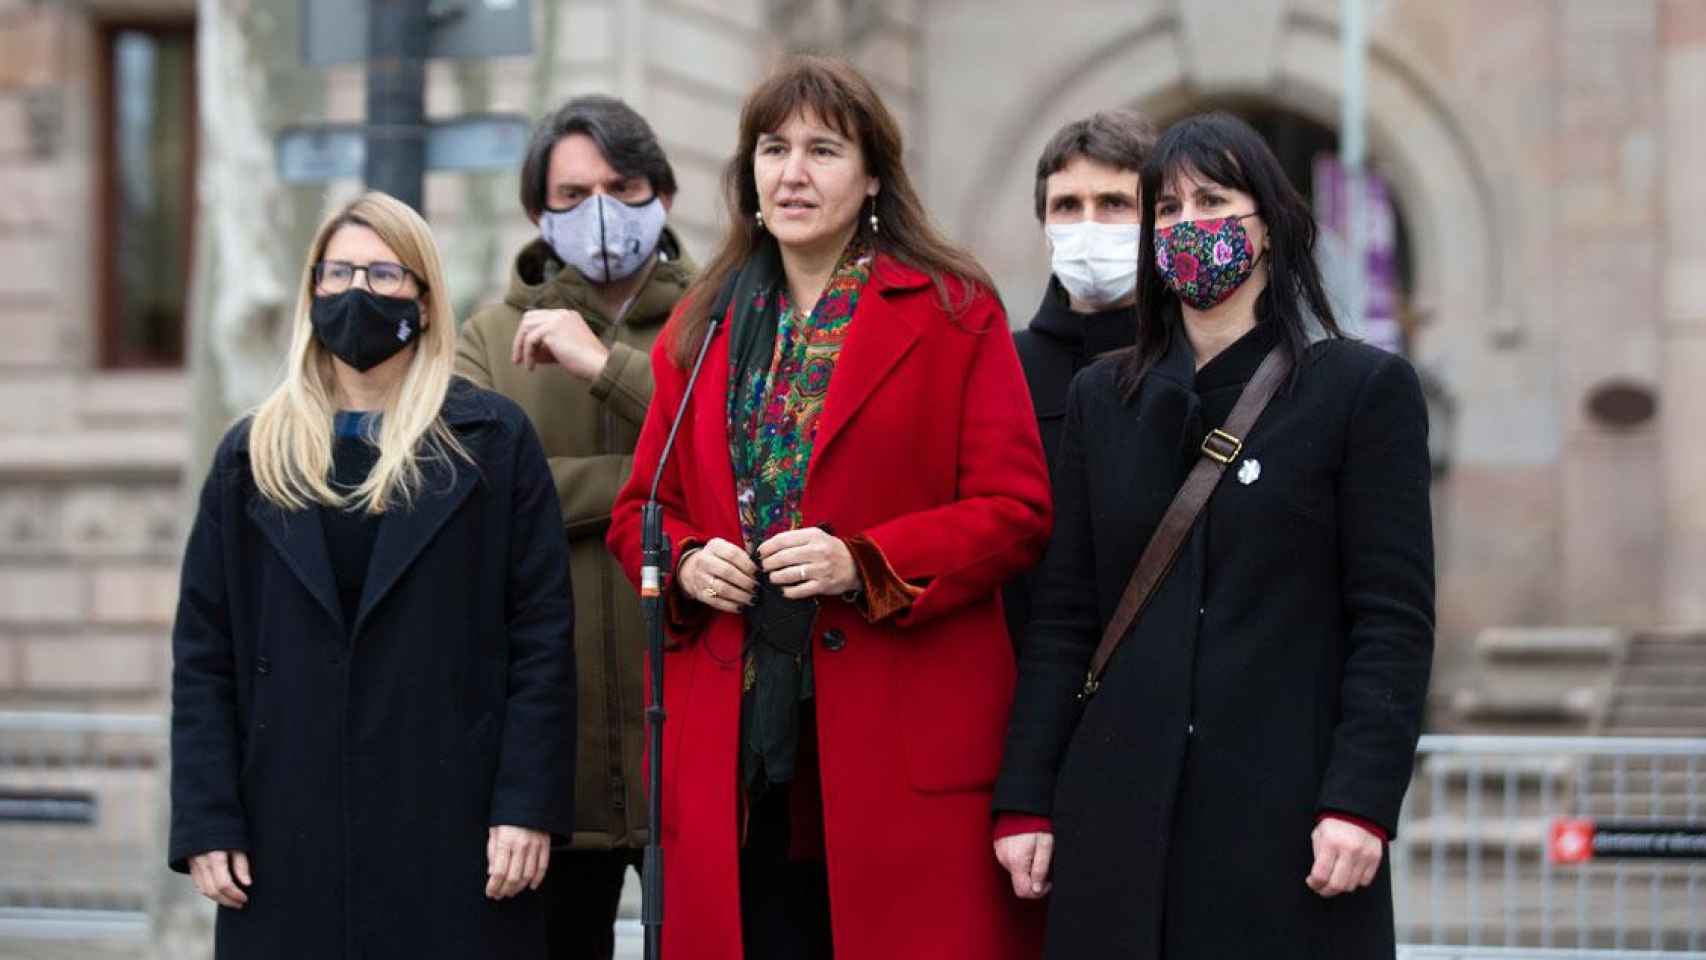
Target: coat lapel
<point>404,533</point>
<point>300,539</point>
<point>881,335</point>
<point>1170,408</point>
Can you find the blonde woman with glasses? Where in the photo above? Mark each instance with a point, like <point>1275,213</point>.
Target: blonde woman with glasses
<point>372,668</point>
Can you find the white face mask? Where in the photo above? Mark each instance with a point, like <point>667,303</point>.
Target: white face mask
<point>604,238</point>
<point>1095,262</point>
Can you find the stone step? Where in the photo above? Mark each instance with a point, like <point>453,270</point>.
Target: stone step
<point>1684,654</point>
<point>1549,643</point>
<point>1639,730</point>
<point>1681,695</point>
<point>1664,676</point>
<point>1573,705</point>
<point>1678,635</point>
<point>1678,717</point>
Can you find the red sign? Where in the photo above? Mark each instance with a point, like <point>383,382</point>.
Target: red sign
<point>1572,841</point>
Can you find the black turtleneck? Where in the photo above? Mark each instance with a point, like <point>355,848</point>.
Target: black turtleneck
<point>1059,342</point>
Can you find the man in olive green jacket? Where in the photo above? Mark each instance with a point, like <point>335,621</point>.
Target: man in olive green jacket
<point>571,344</point>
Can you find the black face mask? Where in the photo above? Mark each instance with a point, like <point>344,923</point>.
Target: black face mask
<point>364,329</point>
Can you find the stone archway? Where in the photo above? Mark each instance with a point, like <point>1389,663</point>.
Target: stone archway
<point>1477,240</point>
<point>1433,150</point>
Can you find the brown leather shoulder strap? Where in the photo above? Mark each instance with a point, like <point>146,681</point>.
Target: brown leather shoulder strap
<point>1219,449</point>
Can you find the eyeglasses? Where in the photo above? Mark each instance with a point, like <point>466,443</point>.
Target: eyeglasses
<point>383,277</point>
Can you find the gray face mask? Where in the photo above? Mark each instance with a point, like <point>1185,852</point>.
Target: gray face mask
<point>605,239</point>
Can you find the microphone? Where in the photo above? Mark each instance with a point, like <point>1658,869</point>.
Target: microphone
<point>654,558</point>
<point>652,548</point>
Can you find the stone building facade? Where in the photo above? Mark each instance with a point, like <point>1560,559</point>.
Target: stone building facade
<point>1540,152</point>
<point>91,454</point>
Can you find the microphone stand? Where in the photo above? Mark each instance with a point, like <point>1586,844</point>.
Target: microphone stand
<point>654,560</point>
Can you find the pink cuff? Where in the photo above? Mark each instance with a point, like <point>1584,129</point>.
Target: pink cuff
<point>1355,821</point>
<point>1013,824</point>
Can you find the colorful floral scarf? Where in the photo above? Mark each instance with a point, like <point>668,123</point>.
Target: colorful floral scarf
<point>774,411</point>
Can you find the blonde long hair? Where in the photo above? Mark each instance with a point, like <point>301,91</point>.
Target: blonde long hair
<point>290,440</point>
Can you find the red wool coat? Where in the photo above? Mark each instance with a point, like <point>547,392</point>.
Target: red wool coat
<point>928,451</point>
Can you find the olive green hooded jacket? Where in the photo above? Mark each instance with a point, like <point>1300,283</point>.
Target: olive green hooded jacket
<point>589,431</point>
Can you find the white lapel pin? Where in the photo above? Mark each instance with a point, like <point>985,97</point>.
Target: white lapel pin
<point>1250,472</point>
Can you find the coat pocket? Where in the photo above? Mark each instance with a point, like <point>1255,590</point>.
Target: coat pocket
<point>955,690</point>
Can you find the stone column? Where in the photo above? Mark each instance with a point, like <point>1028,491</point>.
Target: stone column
<point>1682,332</point>
<point>1605,255</point>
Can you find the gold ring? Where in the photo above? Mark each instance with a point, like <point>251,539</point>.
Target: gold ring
<point>711,592</point>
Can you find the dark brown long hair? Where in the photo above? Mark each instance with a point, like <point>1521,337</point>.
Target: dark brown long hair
<point>839,96</point>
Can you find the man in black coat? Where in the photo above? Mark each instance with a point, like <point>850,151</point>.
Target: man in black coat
<point>1087,201</point>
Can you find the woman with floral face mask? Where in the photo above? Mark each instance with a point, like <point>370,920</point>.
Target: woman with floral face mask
<point>1220,775</point>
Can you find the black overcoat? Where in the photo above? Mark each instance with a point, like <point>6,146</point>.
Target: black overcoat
<point>1278,673</point>
<point>361,764</point>
<point>1057,344</point>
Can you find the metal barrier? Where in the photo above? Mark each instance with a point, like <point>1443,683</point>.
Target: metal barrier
<point>1476,875</point>
<point>1406,952</point>
<point>1471,876</point>
<point>79,802</point>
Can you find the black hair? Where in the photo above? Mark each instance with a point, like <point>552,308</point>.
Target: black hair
<point>623,136</point>
<point>1224,149</point>
<point>1120,139</point>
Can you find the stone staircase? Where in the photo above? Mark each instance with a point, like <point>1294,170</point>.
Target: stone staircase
<point>1660,686</point>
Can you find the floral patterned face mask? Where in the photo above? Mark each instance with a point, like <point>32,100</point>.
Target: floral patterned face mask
<point>1205,261</point>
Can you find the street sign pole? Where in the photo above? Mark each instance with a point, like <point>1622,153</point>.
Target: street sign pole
<point>1352,152</point>
<point>396,98</point>
<point>395,145</point>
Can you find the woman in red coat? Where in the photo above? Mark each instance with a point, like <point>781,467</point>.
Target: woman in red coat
<point>856,476</point>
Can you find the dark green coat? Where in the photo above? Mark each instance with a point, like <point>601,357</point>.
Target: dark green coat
<point>588,431</point>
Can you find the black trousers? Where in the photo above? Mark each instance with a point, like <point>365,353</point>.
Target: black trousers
<point>582,890</point>
<point>784,903</point>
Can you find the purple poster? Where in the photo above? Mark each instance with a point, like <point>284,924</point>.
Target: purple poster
<point>1380,259</point>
